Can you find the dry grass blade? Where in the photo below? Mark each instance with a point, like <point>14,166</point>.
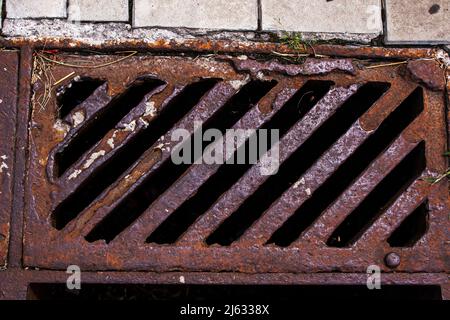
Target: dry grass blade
<point>130,54</point>
<point>297,55</point>
<point>442,176</point>
<point>64,78</point>
<point>42,72</point>
<point>387,65</point>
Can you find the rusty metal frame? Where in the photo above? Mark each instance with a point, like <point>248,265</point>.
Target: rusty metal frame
<point>9,66</point>
<point>15,273</point>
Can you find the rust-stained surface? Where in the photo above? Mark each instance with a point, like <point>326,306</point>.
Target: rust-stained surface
<point>127,249</point>
<point>9,63</point>
<point>66,223</point>
<point>203,45</point>
<point>309,67</point>
<point>427,72</point>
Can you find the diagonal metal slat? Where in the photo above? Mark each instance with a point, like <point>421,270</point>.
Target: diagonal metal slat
<point>252,179</point>
<point>373,144</point>
<point>406,203</point>
<point>302,190</point>
<point>108,146</point>
<point>195,177</point>
<point>201,112</point>
<point>355,194</point>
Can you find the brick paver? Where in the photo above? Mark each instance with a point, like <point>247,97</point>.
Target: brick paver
<point>351,16</point>
<point>36,8</point>
<point>406,21</point>
<point>98,10</point>
<point>418,21</point>
<point>209,14</point>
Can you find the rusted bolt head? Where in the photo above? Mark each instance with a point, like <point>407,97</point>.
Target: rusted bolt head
<point>392,260</point>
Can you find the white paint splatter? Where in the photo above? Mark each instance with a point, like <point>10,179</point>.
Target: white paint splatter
<point>260,75</point>
<point>182,280</point>
<point>237,84</point>
<point>308,191</point>
<point>77,118</point>
<point>150,109</point>
<point>4,157</point>
<point>299,182</point>
<point>162,145</point>
<point>242,57</point>
<point>130,126</point>
<point>443,57</point>
<point>145,123</point>
<point>3,166</point>
<point>110,141</point>
<point>1,101</point>
<point>93,157</point>
<point>74,174</point>
<point>61,127</point>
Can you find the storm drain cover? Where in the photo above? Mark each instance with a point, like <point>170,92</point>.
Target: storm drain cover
<point>357,150</point>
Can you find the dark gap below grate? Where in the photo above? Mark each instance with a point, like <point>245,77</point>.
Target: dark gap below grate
<point>296,165</point>
<point>412,229</point>
<point>237,293</point>
<point>69,97</point>
<point>355,165</point>
<point>113,168</point>
<point>384,194</point>
<point>227,175</point>
<point>130,208</point>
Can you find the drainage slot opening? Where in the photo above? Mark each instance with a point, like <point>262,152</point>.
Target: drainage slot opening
<point>113,168</point>
<point>412,229</point>
<point>71,96</point>
<point>105,120</point>
<point>384,194</point>
<point>291,169</point>
<point>227,175</point>
<point>347,172</point>
<point>134,205</point>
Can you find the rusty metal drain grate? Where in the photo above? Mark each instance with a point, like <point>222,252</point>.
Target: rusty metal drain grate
<point>357,147</point>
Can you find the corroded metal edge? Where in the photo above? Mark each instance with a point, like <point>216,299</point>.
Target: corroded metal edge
<point>9,68</point>
<point>205,45</point>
